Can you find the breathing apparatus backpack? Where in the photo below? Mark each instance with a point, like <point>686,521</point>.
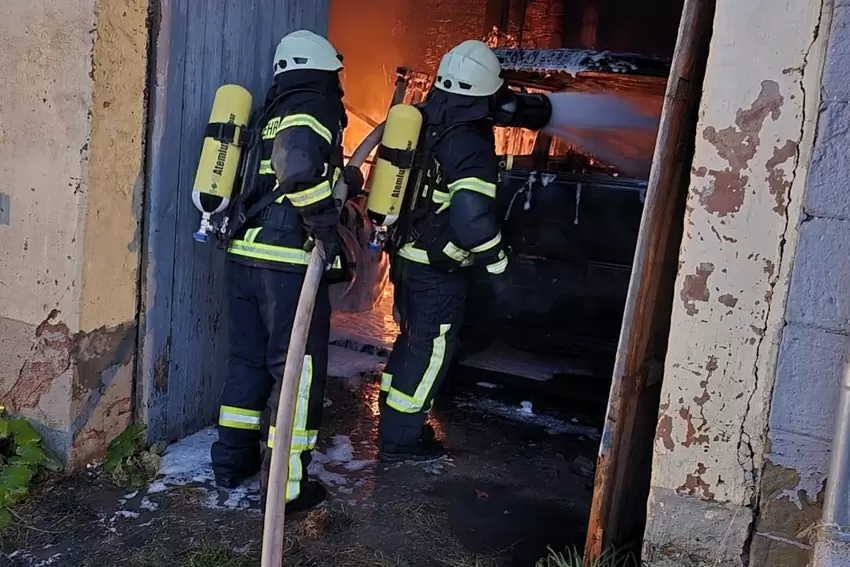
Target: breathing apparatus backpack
<point>399,184</point>
<point>235,172</point>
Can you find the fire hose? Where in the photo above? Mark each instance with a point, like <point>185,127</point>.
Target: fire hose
<point>274,522</point>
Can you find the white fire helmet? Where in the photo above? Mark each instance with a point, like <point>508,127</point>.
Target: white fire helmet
<point>304,49</point>
<point>471,69</point>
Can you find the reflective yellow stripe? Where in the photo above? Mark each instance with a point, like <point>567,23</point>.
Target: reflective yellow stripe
<point>409,252</point>
<point>455,253</point>
<point>303,198</point>
<point>440,197</point>
<point>276,125</point>
<point>386,381</point>
<point>251,234</point>
<point>473,184</point>
<point>308,196</point>
<point>302,439</point>
<point>412,404</point>
<point>492,243</point>
<point>239,418</point>
<point>266,167</point>
<point>272,253</point>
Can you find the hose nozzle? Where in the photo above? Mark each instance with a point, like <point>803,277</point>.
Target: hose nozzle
<point>524,110</point>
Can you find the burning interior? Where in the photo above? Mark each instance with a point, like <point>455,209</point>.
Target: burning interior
<point>572,201</point>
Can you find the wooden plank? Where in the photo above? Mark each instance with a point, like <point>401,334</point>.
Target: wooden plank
<point>622,477</point>
<point>160,217</point>
<point>187,312</point>
<point>208,290</point>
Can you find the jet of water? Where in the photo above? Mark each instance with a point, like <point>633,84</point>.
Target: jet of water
<point>617,129</point>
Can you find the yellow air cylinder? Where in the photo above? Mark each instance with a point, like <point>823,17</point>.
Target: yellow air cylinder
<point>393,164</point>
<point>219,161</point>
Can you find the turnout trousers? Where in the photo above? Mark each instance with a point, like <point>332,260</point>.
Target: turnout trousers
<point>431,305</point>
<point>261,307</point>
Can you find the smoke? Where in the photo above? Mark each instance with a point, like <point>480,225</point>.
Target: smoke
<point>616,128</point>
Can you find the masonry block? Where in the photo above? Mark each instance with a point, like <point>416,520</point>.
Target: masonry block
<point>826,192</point>
<point>769,552</point>
<point>810,366</point>
<point>836,82</point>
<point>683,531</point>
<point>820,285</point>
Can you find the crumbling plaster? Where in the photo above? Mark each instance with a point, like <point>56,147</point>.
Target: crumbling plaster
<point>71,163</point>
<point>753,146</point>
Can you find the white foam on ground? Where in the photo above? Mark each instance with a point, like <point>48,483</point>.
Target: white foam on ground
<point>345,363</point>
<point>339,455</point>
<point>149,505</point>
<point>523,414</point>
<point>52,560</point>
<point>188,462</point>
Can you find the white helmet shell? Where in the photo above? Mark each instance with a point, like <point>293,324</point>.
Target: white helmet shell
<point>304,49</point>
<point>471,69</point>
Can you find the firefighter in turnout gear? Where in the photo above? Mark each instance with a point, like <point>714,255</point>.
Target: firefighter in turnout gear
<point>453,229</point>
<point>285,206</point>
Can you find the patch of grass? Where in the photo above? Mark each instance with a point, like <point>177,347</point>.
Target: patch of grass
<point>572,558</point>
<point>190,494</point>
<point>131,464</point>
<point>152,556</point>
<point>471,560</point>
<point>325,522</point>
<point>417,516</point>
<point>362,556</point>
<point>212,554</point>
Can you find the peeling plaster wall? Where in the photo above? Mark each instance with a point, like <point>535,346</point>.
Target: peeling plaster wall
<point>72,111</point>
<point>753,147</point>
<point>814,348</point>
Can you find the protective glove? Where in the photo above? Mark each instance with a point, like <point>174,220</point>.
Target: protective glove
<point>501,283</point>
<point>322,228</point>
<point>353,178</point>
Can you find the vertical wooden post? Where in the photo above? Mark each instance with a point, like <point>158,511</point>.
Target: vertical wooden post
<point>618,512</point>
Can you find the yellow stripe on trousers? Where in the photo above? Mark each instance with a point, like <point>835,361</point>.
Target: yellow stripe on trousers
<point>302,439</point>
<point>404,403</point>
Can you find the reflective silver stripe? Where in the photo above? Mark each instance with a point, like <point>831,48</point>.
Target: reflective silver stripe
<point>239,418</point>
<point>409,252</point>
<point>493,242</point>
<point>498,267</point>
<point>266,167</point>
<point>455,253</point>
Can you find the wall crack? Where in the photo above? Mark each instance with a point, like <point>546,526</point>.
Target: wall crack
<point>746,452</point>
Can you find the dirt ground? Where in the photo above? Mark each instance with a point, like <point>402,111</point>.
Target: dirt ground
<point>518,481</point>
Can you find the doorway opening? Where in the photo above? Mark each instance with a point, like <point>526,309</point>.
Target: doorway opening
<point>532,381</point>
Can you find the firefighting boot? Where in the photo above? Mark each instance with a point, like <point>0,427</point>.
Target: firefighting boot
<point>425,448</point>
<point>230,478</point>
<point>311,494</point>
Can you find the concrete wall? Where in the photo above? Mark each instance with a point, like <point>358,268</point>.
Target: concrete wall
<point>713,459</point>
<point>71,163</point>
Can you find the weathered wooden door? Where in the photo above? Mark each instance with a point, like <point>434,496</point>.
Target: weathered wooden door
<point>197,46</point>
